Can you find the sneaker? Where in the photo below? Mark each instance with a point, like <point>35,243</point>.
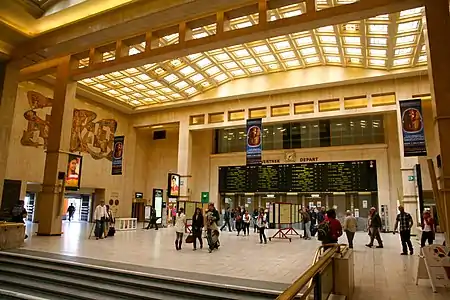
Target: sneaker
<point>368,245</point>
<point>379,247</point>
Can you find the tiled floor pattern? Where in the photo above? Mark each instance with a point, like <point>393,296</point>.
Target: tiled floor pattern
<point>379,273</point>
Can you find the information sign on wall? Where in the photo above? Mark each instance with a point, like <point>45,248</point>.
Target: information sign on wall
<point>413,128</point>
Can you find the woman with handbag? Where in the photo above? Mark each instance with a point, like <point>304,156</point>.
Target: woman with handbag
<point>261,222</point>
<point>197,225</point>
<point>180,227</point>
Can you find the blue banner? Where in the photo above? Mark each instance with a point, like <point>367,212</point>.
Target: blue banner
<point>117,157</point>
<point>254,141</point>
<point>414,143</point>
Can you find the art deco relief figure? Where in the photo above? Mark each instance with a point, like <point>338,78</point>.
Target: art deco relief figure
<point>95,138</point>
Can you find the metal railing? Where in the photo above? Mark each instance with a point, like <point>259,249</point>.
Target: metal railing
<point>318,280</point>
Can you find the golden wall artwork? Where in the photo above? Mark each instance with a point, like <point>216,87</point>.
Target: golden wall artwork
<point>88,135</point>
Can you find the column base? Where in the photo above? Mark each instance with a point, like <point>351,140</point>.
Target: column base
<point>49,234</point>
<point>50,211</point>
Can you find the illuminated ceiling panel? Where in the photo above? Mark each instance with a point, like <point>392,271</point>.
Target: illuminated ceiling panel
<point>384,42</point>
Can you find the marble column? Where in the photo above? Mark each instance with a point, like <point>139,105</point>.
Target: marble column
<point>7,104</point>
<point>51,200</point>
<point>408,194</point>
<point>438,40</point>
<point>184,158</point>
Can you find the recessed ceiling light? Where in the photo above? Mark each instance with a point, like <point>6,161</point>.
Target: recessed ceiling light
<point>143,77</point>
<point>355,60</point>
<point>213,70</point>
<point>292,63</point>
<point>194,56</point>
<point>327,39</point>
<point>408,26</point>
<point>221,77</point>
<point>135,102</point>
<point>128,80</point>
<point>204,62</point>
<point>205,84</point>
<point>237,72</point>
<point>181,85</point>
<point>267,58</point>
<point>378,41</point>
<point>403,51</point>
<point>312,60</point>
<point>353,51</point>
<point>411,12</point>
<point>113,92</point>
<point>222,57</point>
<point>126,90</point>
<point>166,90</point>
<point>137,95</point>
<point>308,51</point>
<point>243,25</point>
<point>152,93</point>
<point>124,97</point>
<point>115,83</point>
<point>162,98</point>
<point>199,35</point>
<point>424,48</point>
<point>304,41</point>
<point>171,78</point>
<point>274,66</point>
<point>176,95</point>
<point>191,90</point>
<point>378,28</point>
<point>197,77</point>
<point>255,70</point>
<point>402,61</point>
<point>293,13</point>
<point>331,50</point>
<point>422,58</point>
<point>351,27</point>
<point>141,87</point>
<point>352,40</point>
<point>230,65</point>
<point>160,71</point>
<point>241,53</point>
<point>170,37</point>
<point>333,59</point>
<point>155,84</point>
<point>101,78</point>
<point>249,62</point>
<point>326,29</point>
<point>187,70</point>
<point>377,52</point>
<point>287,55</point>
<point>116,74</point>
<point>261,49</point>
<point>87,80</point>
<point>381,17</point>
<point>175,62</point>
<point>282,45</point>
<point>132,70</point>
<point>406,39</point>
<point>377,62</point>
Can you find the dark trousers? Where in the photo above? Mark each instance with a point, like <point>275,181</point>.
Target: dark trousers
<point>197,235</point>
<point>375,234</point>
<point>255,227</point>
<point>239,226</point>
<point>99,228</point>
<point>152,223</point>
<point>350,236</point>
<point>405,236</point>
<point>225,223</point>
<point>246,228</point>
<point>262,234</point>
<point>427,236</point>
<point>70,216</point>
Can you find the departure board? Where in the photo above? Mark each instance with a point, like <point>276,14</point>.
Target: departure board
<point>353,176</point>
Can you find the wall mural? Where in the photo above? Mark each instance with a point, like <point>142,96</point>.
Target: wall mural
<point>88,135</point>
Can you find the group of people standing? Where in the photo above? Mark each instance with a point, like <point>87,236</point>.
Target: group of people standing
<point>240,220</point>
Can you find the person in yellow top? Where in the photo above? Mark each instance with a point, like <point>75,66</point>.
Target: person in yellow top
<point>350,225</point>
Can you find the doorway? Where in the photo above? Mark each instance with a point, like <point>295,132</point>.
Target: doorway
<point>76,201</point>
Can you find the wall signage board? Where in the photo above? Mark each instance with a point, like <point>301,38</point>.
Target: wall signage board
<point>413,128</point>
<point>73,175</point>
<point>254,141</point>
<point>117,156</point>
<point>352,176</point>
<point>173,185</point>
<point>157,202</point>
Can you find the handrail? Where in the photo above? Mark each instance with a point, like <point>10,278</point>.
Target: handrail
<point>292,291</point>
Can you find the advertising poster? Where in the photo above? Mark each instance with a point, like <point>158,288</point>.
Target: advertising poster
<point>254,141</point>
<point>73,177</point>
<point>174,185</point>
<point>117,158</point>
<point>413,128</point>
<point>158,204</point>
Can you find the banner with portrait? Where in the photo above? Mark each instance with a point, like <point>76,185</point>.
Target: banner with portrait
<point>414,143</point>
<point>117,158</point>
<point>173,185</point>
<point>254,141</point>
<point>73,175</point>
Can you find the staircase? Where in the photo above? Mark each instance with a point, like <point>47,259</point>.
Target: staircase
<point>39,278</point>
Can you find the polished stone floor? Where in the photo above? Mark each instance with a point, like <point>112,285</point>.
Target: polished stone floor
<point>378,272</point>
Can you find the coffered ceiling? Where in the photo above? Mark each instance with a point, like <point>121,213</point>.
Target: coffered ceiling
<point>386,42</point>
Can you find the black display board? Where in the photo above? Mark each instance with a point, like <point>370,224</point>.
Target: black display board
<point>353,176</point>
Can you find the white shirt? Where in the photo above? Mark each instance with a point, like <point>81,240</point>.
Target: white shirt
<point>100,212</point>
<point>180,223</point>
<point>426,227</point>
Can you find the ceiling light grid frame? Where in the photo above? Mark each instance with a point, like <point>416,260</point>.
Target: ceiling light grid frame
<point>371,43</point>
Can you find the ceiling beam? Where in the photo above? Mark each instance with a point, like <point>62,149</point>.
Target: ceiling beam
<point>310,20</point>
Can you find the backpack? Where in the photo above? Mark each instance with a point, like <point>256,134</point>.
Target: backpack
<point>323,231</point>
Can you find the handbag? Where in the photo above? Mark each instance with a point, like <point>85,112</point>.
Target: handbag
<point>190,239</point>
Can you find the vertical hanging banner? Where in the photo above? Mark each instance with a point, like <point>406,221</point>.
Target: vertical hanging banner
<point>73,176</point>
<point>414,143</point>
<point>254,141</point>
<point>117,158</point>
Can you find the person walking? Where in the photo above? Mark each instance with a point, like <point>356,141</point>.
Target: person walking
<point>100,218</point>
<point>226,220</point>
<point>153,219</point>
<point>306,219</point>
<point>261,222</point>
<point>350,225</point>
<point>246,222</point>
<point>334,229</point>
<point>374,225</point>
<point>405,221</point>
<point>174,215</point>
<point>197,226</point>
<point>71,211</point>
<point>428,229</point>
<point>212,230</point>
<point>180,227</point>
<point>239,222</point>
<point>255,216</point>
<point>109,221</point>
<point>233,219</point>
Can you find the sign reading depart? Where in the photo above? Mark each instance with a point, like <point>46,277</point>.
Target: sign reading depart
<point>353,176</point>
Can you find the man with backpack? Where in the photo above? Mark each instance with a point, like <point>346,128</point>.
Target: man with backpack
<point>329,230</point>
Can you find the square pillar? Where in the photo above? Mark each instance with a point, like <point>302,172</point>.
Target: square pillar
<point>408,194</point>
<point>184,158</point>
<point>438,40</point>
<point>7,105</point>
<point>52,195</point>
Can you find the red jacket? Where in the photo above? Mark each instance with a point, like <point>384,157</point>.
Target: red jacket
<point>430,222</point>
<point>335,229</point>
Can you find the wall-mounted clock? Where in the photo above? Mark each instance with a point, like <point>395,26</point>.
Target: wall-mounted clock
<point>290,157</point>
